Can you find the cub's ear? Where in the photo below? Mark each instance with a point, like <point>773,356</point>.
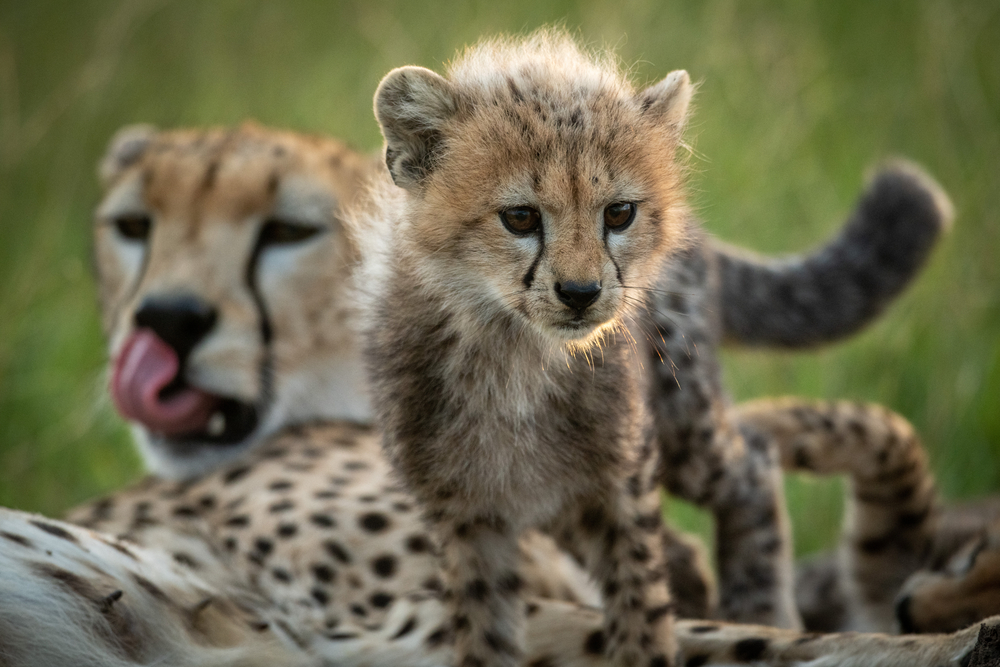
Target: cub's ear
<point>124,150</point>
<point>669,99</point>
<point>412,104</point>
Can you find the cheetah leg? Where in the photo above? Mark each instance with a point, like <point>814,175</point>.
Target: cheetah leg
<point>712,464</point>
<point>483,587</point>
<point>753,538</point>
<point>892,516</point>
<point>704,457</point>
<point>622,544</point>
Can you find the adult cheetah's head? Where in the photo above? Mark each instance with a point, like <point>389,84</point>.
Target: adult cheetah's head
<point>220,257</point>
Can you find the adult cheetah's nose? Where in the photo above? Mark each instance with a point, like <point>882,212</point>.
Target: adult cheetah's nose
<point>180,320</point>
<point>578,295</point>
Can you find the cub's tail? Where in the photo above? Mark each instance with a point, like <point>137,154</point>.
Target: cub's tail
<point>842,286</point>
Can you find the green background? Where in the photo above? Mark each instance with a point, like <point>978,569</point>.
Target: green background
<point>796,100</point>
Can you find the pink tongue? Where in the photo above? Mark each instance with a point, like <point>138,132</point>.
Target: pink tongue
<point>143,368</point>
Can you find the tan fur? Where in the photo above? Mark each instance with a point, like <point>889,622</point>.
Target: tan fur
<point>254,618</point>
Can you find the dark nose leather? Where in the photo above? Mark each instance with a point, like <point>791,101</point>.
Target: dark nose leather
<point>181,320</point>
<point>578,295</point>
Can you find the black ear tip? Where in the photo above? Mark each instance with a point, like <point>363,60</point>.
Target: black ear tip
<point>125,148</point>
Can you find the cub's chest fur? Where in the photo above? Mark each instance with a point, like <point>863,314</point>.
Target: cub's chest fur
<point>499,412</point>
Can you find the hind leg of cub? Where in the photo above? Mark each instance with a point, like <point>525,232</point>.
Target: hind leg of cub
<point>707,460</point>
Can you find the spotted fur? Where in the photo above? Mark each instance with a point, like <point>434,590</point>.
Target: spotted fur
<point>906,562</point>
<point>172,592</point>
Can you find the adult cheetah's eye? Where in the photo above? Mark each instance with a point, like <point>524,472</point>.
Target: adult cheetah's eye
<point>279,232</point>
<point>619,215</point>
<point>133,227</point>
<point>521,219</point>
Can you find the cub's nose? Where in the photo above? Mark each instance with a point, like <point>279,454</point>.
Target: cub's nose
<point>578,295</point>
<point>181,320</point>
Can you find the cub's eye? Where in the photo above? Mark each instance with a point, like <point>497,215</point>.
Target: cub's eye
<point>521,219</point>
<point>619,215</point>
<point>279,232</point>
<point>133,227</point>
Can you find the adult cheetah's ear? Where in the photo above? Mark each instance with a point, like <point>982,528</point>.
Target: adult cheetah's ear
<point>124,150</point>
<point>669,99</point>
<point>412,104</point>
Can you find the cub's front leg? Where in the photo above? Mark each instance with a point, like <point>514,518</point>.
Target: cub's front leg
<point>482,589</point>
<point>621,542</point>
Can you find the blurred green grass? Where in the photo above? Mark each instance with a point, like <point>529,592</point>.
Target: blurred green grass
<point>797,99</point>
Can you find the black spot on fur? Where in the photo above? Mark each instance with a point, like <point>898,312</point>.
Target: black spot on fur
<point>373,522</point>
<point>53,529</point>
<point>696,661</point>
<point>185,512</point>
<point>510,582</point>
<point>595,643</point>
<point>282,506</point>
<point>381,600</point>
<point>634,485</point>
<point>187,560</point>
<point>477,589</point>
<point>263,545</point>
<point>640,553</point>
<point>280,485</point>
<point>235,474</point>
<point>659,661</point>
<point>656,613</point>
<point>238,521</point>
<point>407,628</point>
<point>384,566</point>
<point>649,522</point>
<point>287,530</point>
<point>337,551</point>
<point>417,544</point>
<point>592,519</point>
<point>17,539</point>
<point>747,650</point>
<point>324,573</point>
<point>437,638</point>
<point>702,629</point>
<point>322,520</point>
<point>320,596</point>
<point>69,580</point>
<point>281,574</point>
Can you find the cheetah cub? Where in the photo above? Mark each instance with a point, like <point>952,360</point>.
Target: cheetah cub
<point>538,197</point>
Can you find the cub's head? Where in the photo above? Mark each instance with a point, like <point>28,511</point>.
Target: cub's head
<point>221,263</point>
<point>538,181</point>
